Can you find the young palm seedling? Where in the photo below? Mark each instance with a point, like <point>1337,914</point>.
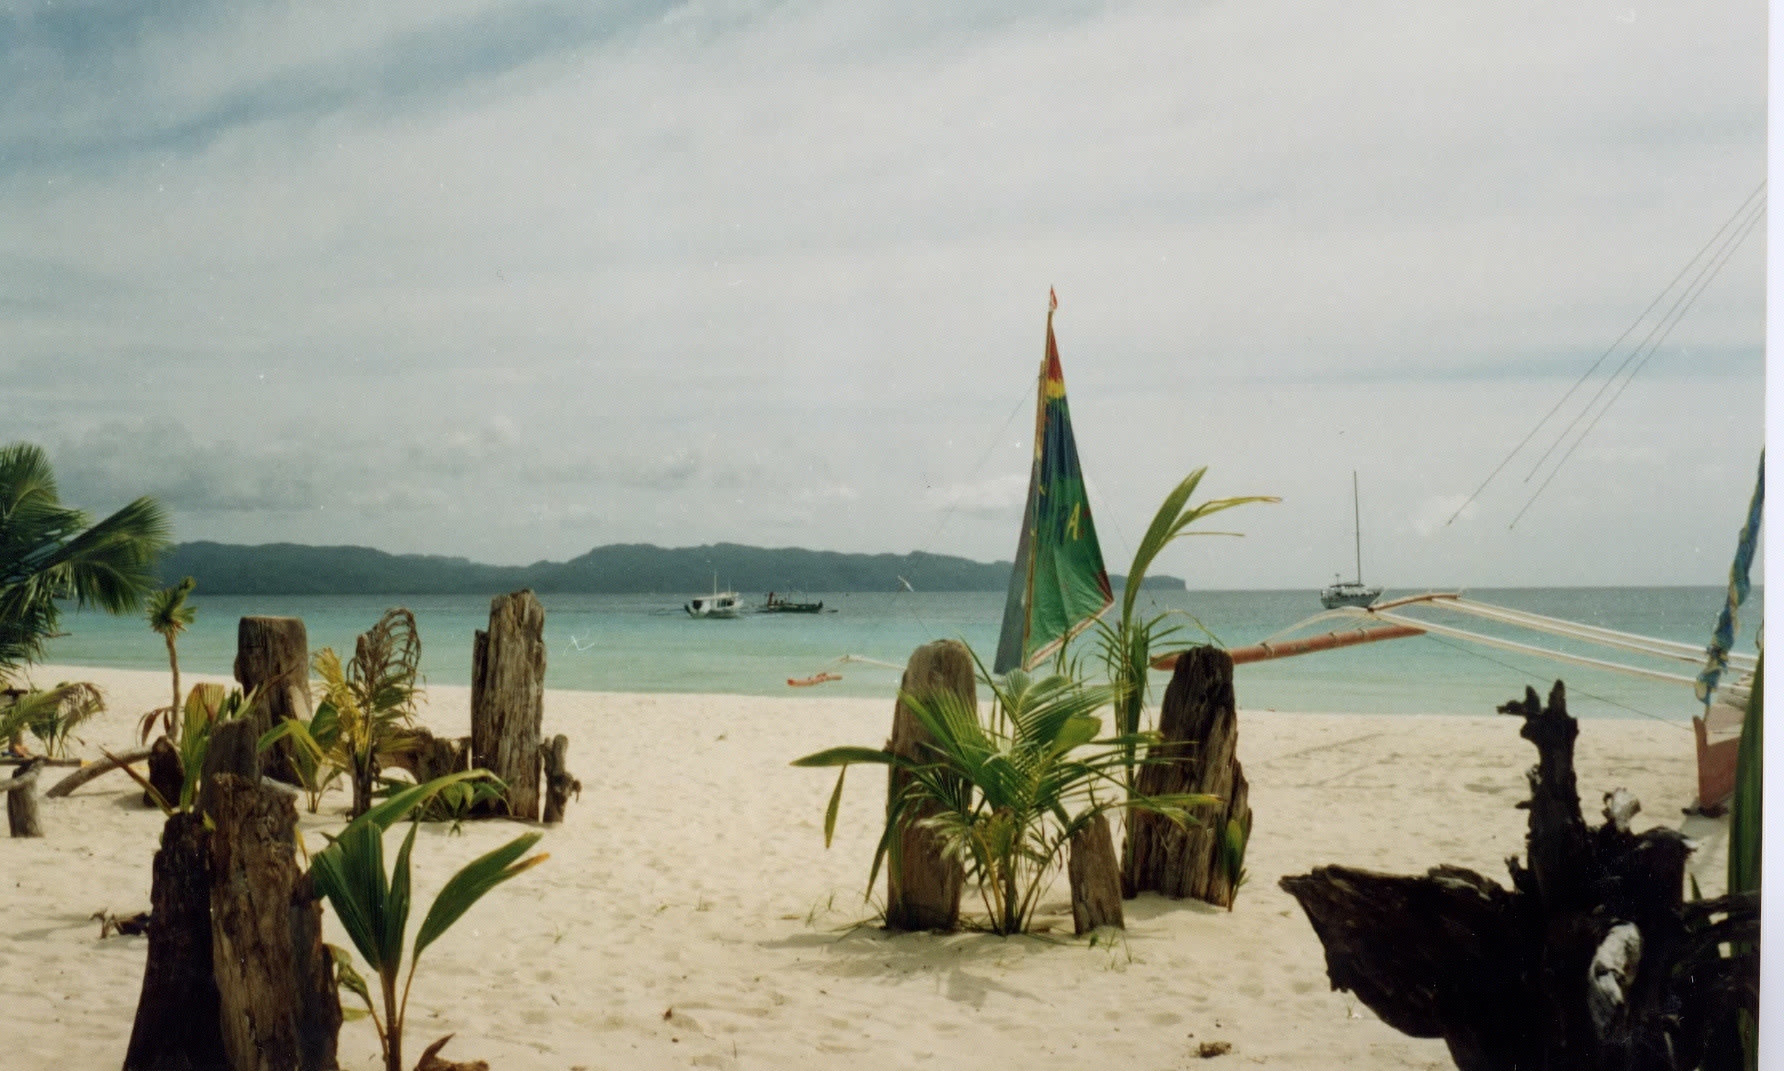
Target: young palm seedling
<point>1007,794</point>
<point>373,905</point>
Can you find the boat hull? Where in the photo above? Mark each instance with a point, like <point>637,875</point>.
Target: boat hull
<point>1348,595</point>
<point>723,606</point>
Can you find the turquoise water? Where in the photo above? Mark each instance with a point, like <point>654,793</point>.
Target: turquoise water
<point>645,643</point>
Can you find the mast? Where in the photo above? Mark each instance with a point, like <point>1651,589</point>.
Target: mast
<point>1356,513</point>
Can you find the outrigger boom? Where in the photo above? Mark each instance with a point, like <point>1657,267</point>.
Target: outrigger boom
<point>1382,622</point>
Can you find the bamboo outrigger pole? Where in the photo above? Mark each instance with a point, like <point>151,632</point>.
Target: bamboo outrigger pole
<point>1261,652</point>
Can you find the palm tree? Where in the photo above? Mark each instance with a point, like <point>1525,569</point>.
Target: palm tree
<point>50,552</point>
<point>168,616</point>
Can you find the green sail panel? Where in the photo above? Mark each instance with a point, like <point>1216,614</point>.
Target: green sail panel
<point>1058,585</point>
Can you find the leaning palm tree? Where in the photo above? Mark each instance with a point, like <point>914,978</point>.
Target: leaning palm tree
<point>51,552</point>
<point>169,616</point>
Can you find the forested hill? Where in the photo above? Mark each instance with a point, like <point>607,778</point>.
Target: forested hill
<point>625,568</point>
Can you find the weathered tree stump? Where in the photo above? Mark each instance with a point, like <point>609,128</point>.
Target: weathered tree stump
<point>272,659</point>
<point>232,751</point>
<point>166,773</point>
<point>559,782</point>
<point>1199,724</point>
<point>177,1024</point>
<point>1591,960</point>
<point>94,769</point>
<point>508,698</point>
<point>923,890</point>
<point>21,800</point>
<point>1095,878</point>
<point>279,1007</point>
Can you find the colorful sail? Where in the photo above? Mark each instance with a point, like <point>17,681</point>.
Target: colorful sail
<point>1728,622</point>
<point>1058,585</point>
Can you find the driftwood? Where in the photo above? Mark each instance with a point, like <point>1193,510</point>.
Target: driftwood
<point>559,782</point>
<point>1591,960</point>
<point>508,698</point>
<point>1199,726</point>
<point>177,1019</point>
<point>431,1060</point>
<point>21,801</point>
<point>923,886</point>
<point>272,659</point>
<point>279,1007</point>
<point>1095,878</point>
<point>94,769</point>
<point>427,756</point>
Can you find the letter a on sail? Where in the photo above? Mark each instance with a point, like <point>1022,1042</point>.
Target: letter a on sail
<point>1058,586</point>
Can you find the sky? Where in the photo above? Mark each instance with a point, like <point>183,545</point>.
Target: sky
<point>512,280</point>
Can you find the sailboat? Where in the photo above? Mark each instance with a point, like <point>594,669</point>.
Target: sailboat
<point>1058,585</point>
<point>1351,592</point>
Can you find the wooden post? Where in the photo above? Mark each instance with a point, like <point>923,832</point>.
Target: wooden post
<point>508,698</point>
<point>1199,724</point>
<point>1095,878</point>
<point>559,782</point>
<point>231,751</point>
<point>276,994</point>
<point>177,1023</point>
<point>272,655</point>
<point>923,893</point>
<point>21,801</point>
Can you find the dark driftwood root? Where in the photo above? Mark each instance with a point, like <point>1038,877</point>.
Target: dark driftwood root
<point>1590,960</point>
<point>1199,724</point>
<point>923,886</point>
<point>1095,878</point>
<point>508,698</point>
<point>272,654</point>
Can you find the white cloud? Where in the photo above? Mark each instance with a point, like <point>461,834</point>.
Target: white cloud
<point>797,255</point>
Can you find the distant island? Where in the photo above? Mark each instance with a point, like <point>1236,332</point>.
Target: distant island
<point>621,568</point>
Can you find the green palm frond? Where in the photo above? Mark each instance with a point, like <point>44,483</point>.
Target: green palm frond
<point>52,715</point>
<point>51,552</point>
<point>470,884</point>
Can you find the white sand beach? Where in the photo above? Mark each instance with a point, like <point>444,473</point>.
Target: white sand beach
<point>691,916</point>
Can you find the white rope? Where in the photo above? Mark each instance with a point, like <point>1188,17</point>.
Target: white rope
<point>1625,641</point>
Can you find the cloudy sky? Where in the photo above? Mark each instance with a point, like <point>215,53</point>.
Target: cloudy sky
<point>511,280</point>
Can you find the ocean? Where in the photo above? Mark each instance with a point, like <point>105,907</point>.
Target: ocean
<point>645,643</point>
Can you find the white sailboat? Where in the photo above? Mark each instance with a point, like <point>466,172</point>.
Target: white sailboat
<point>1351,592</point>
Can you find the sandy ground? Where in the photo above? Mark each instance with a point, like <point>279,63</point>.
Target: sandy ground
<point>690,915</point>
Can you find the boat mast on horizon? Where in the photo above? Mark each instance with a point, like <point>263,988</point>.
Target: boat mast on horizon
<point>1351,592</point>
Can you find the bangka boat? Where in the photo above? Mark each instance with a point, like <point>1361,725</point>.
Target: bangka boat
<point>778,605</point>
<point>1351,592</point>
<point>720,604</point>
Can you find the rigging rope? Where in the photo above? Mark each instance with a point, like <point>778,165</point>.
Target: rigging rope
<point>1742,220</point>
<point>1701,283</point>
